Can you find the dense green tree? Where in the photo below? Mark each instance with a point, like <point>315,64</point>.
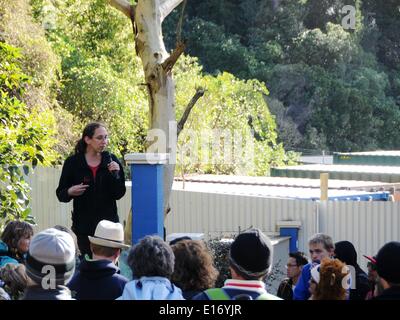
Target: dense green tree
<point>317,72</point>
<point>32,127</point>
<point>42,65</point>
<point>219,137</point>
<point>101,77</point>
<point>24,138</point>
<point>386,16</point>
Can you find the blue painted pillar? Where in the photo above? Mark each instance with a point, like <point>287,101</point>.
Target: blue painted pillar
<point>290,229</point>
<point>147,172</point>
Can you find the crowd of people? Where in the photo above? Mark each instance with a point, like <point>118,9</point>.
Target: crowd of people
<point>82,263</point>
<point>49,266</point>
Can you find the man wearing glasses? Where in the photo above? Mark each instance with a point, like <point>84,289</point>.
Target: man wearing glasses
<point>320,246</point>
<point>294,267</point>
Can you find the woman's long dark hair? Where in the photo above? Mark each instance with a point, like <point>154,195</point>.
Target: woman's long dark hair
<point>13,232</point>
<point>89,130</point>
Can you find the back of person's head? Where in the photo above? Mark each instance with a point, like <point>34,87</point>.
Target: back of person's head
<point>51,254</point>
<point>176,240</point>
<point>72,234</point>
<point>194,269</point>
<point>345,252</point>
<point>250,254</point>
<point>300,257</point>
<point>151,257</point>
<point>324,239</point>
<point>388,263</point>
<point>330,278</point>
<point>15,278</point>
<point>14,232</point>
<point>108,239</point>
<point>104,251</point>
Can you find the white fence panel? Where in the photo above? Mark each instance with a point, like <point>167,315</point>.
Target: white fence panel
<point>218,215</point>
<point>368,225</point>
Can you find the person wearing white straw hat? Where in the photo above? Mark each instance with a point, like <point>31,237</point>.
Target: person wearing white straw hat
<point>99,278</point>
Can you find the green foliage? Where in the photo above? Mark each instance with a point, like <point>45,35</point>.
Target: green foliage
<point>42,65</point>
<point>327,50</point>
<point>230,130</point>
<point>102,80</point>
<point>101,76</point>
<point>21,138</point>
<point>385,20</point>
<point>210,43</point>
<point>330,88</point>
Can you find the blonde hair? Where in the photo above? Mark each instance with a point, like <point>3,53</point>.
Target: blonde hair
<point>326,240</point>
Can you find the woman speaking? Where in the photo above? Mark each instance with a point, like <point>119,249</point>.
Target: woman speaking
<point>94,179</point>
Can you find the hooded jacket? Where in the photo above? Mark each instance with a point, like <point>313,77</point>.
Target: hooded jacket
<point>98,202</point>
<point>345,252</point>
<point>97,280</point>
<point>151,288</point>
<point>4,255</point>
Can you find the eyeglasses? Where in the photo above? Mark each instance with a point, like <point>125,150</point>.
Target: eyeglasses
<point>290,265</point>
<point>100,138</point>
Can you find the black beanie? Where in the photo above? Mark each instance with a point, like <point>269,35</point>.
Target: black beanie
<point>388,262</point>
<point>252,251</point>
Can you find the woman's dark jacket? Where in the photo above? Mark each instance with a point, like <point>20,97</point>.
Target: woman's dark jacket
<point>285,290</point>
<point>98,202</point>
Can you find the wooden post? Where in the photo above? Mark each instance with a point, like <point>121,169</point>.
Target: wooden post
<point>324,186</point>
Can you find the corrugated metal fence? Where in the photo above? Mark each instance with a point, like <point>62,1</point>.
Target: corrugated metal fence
<point>224,214</point>
<point>368,225</point>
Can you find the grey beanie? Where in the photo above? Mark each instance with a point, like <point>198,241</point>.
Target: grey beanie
<point>55,250</point>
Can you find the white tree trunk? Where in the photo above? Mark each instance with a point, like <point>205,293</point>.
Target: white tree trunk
<point>150,47</point>
<point>147,17</point>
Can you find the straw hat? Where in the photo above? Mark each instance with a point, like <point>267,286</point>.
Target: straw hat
<point>109,234</point>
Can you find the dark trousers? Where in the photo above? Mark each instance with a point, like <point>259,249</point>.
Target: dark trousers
<point>84,245</point>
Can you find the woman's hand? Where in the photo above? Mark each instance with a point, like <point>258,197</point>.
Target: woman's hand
<point>113,166</point>
<point>77,190</point>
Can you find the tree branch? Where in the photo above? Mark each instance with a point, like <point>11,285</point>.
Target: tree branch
<point>123,6</point>
<point>169,63</point>
<point>167,6</point>
<point>199,93</point>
